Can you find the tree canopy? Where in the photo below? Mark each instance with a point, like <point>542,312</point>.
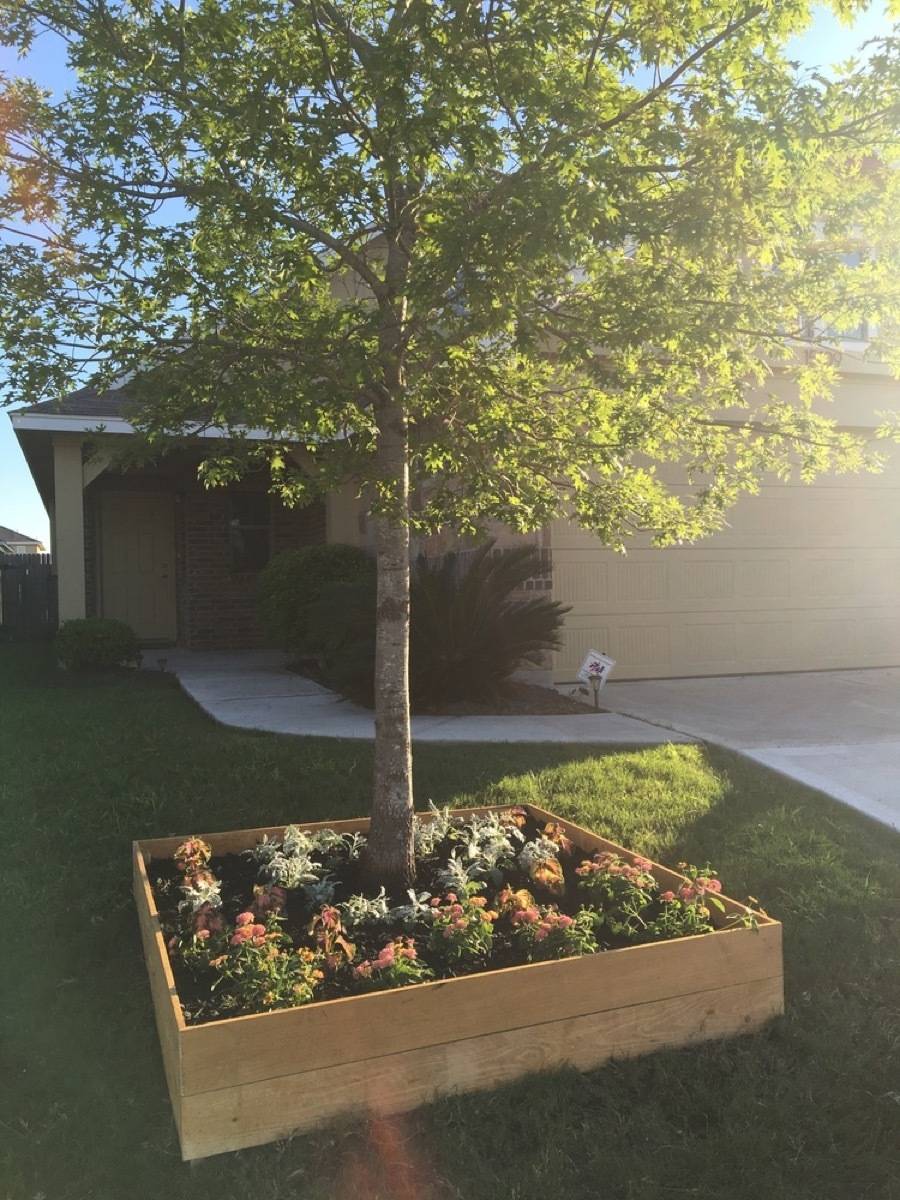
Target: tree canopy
<point>571,241</point>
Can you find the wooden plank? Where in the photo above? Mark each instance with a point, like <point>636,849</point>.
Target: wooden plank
<point>233,1118</point>
<point>321,1035</point>
<point>170,1023</point>
<point>248,1080</point>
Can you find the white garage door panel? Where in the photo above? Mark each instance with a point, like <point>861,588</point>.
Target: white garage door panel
<point>805,578</point>
<point>791,517</point>
<point>685,581</point>
<point>651,647</point>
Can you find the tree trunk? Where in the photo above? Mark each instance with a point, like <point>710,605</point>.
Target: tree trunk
<point>390,848</point>
<point>391,859</point>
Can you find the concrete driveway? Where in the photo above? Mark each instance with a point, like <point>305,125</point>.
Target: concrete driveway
<point>838,731</point>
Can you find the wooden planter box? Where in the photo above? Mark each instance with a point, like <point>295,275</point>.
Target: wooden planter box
<point>247,1080</point>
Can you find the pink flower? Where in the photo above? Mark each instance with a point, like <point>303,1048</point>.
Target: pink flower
<point>448,932</point>
<point>202,934</point>
<point>686,892</point>
<point>385,957</point>
<point>667,897</point>
<point>451,897</point>
<point>713,885</point>
<point>363,971</point>
<point>244,918</point>
<point>434,902</point>
<point>525,916</point>
<point>643,864</point>
<point>565,920</point>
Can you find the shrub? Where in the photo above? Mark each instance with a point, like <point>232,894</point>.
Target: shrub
<point>341,633</point>
<point>468,629</point>
<point>291,583</point>
<point>96,642</point>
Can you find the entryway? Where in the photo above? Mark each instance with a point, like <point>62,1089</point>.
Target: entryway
<point>137,562</point>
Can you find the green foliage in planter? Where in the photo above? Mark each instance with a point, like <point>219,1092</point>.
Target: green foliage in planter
<point>469,628</point>
<point>96,642</point>
<point>291,583</point>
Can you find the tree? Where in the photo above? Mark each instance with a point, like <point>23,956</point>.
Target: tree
<point>490,261</point>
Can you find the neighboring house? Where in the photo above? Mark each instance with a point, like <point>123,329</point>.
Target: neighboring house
<point>18,543</point>
<point>805,576</point>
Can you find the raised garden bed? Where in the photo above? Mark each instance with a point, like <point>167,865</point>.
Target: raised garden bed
<point>246,1080</point>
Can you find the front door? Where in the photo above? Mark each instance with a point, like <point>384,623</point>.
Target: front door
<point>137,574</point>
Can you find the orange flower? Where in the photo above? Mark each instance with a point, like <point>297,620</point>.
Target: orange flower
<point>549,874</point>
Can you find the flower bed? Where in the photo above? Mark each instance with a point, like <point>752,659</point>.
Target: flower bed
<point>285,995</point>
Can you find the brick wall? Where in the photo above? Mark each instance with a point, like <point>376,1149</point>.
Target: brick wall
<point>216,605</point>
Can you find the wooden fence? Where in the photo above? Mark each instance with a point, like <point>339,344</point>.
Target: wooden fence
<point>27,596</point>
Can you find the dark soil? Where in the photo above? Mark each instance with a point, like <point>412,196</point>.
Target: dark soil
<point>238,873</point>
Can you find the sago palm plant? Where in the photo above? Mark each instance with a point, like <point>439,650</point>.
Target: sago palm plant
<point>472,627</point>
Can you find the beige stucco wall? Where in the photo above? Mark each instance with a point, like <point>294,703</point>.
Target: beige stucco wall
<point>68,525</point>
<point>344,519</point>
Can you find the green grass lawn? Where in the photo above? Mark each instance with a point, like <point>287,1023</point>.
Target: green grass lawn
<point>808,1108</point>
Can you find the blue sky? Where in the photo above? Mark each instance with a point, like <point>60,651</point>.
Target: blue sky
<point>827,41</point>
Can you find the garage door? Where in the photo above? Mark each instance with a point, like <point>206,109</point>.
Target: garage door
<point>805,578</point>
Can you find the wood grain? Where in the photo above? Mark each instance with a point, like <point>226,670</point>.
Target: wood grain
<point>170,1024</point>
<point>248,1080</point>
<point>326,1034</point>
<point>236,1117</point>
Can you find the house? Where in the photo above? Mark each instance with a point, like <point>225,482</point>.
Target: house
<point>18,543</point>
<point>150,545</point>
<point>804,577</point>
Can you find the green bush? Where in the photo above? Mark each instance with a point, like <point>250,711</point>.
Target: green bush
<point>291,584</point>
<point>96,642</point>
<point>342,631</point>
<point>468,629</point>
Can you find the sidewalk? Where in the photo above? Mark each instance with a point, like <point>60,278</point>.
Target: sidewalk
<point>251,689</point>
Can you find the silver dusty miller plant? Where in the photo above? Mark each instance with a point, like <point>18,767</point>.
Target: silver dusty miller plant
<point>320,892</point>
<point>291,863</point>
<point>364,910</point>
<point>534,853</point>
<point>430,831</point>
<point>197,892</point>
<point>456,875</point>
<point>487,846</point>
<point>376,910</point>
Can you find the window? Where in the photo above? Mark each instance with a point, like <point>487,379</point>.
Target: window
<point>249,532</point>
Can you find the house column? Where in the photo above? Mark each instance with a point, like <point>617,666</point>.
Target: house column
<point>342,516</point>
<point>68,525</point>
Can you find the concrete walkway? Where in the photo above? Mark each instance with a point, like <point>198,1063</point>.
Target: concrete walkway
<point>252,690</point>
<point>838,731</point>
